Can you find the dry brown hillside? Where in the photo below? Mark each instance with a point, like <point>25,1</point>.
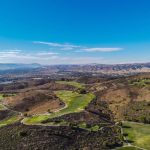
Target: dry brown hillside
<point>118,93</point>
<point>34,102</point>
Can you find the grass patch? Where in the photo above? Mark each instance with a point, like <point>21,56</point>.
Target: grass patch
<point>1,97</point>
<point>36,119</point>
<point>95,128</point>
<point>140,83</point>
<point>60,123</point>
<point>128,148</point>
<point>9,120</point>
<point>2,107</point>
<point>138,133</point>
<point>73,83</point>
<point>83,125</point>
<point>74,101</point>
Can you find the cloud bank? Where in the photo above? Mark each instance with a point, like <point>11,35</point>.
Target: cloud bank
<point>56,53</point>
<point>99,49</point>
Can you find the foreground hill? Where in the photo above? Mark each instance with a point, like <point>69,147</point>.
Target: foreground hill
<point>34,102</point>
<point>23,137</point>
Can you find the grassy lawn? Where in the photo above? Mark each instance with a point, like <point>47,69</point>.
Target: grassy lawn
<point>9,120</point>
<point>75,102</point>
<point>128,148</point>
<point>73,83</point>
<point>139,134</point>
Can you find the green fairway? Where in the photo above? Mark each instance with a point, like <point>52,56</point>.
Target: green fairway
<point>74,101</point>
<point>128,148</point>
<point>73,83</point>
<point>138,134</point>
<point>9,120</point>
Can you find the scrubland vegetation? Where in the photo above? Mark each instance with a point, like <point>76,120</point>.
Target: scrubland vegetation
<point>138,112</point>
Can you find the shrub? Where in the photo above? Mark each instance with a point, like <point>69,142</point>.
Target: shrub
<point>27,109</point>
<point>25,115</point>
<point>49,111</point>
<point>23,133</point>
<point>81,91</point>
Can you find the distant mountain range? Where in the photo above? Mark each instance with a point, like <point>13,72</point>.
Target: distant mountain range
<point>96,67</point>
<point>103,68</point>
<point>13,66</point>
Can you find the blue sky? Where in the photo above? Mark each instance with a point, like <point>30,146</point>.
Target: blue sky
<point>74,31</point>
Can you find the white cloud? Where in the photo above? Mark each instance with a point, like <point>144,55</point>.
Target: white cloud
<point>13,51</point>
<point>78,48</point>
<point>12,56</point>
<point>50,57</point>
<point>46,54</point>
<point>18,56</point>
<point>99,49</point>
<point>65,46</point>
<point>53,58</point>
<point>48,43</point>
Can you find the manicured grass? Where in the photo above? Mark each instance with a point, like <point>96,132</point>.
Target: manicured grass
<point>139,134</point>
<point>36,119</point>
<point>9,120</point>
<point>73,83</point>
<point>128,148</point>
<point>74,101</point>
